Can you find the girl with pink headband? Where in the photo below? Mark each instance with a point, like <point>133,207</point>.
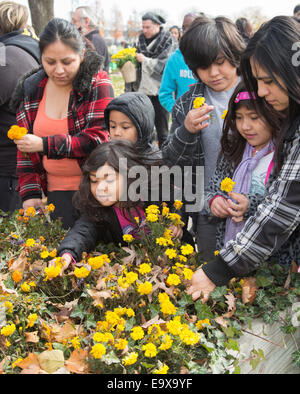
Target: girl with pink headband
<point>247,148</point>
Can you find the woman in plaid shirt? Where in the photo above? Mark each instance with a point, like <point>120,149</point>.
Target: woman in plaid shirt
<point>62,106</point>
<point>270,68</point>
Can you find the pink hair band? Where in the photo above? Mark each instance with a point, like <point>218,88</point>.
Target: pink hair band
<point>244,96</point>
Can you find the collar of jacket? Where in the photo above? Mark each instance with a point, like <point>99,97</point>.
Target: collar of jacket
<point>30,82</point>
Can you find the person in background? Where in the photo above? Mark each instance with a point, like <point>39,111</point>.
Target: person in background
<point>84,19</point>
<point>153,50</point>
<point>212,49</point>
<point>245,28</point>
<point>131,117</point>
<point>19,53</point>
<point>275,77</point>
<point>62,106</point>
<point>175,31</point>
<point>177,77</point>
<point>297,12</point>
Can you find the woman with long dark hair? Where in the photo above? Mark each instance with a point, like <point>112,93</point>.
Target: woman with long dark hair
<point>62,107</point>
<point>270,69</point>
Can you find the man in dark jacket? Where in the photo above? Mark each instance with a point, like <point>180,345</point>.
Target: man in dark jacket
<point>19,53</point>
<point>83,19</point>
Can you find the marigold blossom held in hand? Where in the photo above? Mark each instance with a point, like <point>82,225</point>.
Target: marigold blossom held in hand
<point>198,102</point>
<point>227,185</point>
<point>16,132</point>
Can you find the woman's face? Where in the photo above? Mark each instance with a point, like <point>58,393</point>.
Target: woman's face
<point>252,127</point>
<point>121,127</point>
<point>268,89</point>
<point>175,33</point>
<point>61,63</point>
<point>219,76</point>
<point>107,185</point>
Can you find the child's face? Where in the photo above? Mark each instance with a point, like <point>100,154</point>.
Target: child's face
<point>121,127</point>
<point>220,76</point>
<point>252,127</point>
<point>107,185</point>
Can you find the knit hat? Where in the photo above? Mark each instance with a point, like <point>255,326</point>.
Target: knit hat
<point>154,18</point>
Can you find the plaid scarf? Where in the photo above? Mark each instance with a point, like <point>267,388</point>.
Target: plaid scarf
<point>160,49</point>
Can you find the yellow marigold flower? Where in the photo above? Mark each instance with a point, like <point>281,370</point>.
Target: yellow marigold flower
<point>198,102</point>
<point>189,337</point>
<point>49,346</point>
<point>152,209</point>
<point>44,254</point>
<point>98,351</point>
<point>16,132</point>
<point>151,217</point>
<point>75,342</point>
<point>144,269</point>
<point>227,185</point>
<point>16,276</point>
<point>176,219</point>
<point>165,211</point>
<point>130,312</point>
<point>32,284</point>
<point>150,350</point>
<point>81,272</point>
<point>144,288</point>
<point>98,261</point>
<point>30,242</point>
<point>174,326</point>
<point>9,306</point>
<point>216,252</point>
<point>15,363</point>
<point>177,204</point>
<point>122,282</point>
<point>52,272</point>
<point>8,330</point>
<point>7,344</point>
<point>106,337</point>
<point>173,280</point>
<point>187,273</point>
<point>130,359</point>
<point>182,258</point>
<point>53,253</point>
<point>137,219</point>
<point>187,249</point>
<point>167,343</point>
<point>31,212</point>
<point>171,253</point>
<point>25,287</point>
<point>14,235</point>
<point>131,277</point>
<point>162,241</point>
<point>201,324</point>
<point>121,344</point>
<point>163,370</point>
<point>137,333</point>
<point>167,308</point>
<point>50,208</point>
<point>32,318</point>
<point>112,318</point>
<point>128,238</point>
<point>224,114</point>
<point>168,234</point>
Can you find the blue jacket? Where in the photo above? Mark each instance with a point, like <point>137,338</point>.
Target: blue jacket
<point>177,79</point>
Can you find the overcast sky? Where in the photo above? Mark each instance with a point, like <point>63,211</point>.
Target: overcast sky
<point>175,9</point>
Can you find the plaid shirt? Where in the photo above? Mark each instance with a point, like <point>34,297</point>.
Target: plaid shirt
<point>86,130</point>
<point>275,222</point>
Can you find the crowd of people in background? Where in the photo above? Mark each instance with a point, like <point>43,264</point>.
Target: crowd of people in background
<point>247,127</point>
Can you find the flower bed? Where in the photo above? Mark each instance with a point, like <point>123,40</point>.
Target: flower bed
<point>125,309</point>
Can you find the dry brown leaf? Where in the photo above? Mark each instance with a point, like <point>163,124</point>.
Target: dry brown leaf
<point>32,337</point>
<point>77,362</point>
<point>249,289</point>
<point>30,365</point>
<point>51,360</point>
<point>156,320</point>
<point>59,334</point>
<point>4,290</point>
<point>220,320</point>
<point>230,301</point>
<point>20,263</point>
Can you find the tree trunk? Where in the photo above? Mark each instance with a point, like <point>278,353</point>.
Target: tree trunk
<point>42,11</point>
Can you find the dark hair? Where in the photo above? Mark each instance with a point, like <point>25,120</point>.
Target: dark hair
<point>245,28</point>
<point>110,153</point>
<point>206,38</point>
<point>297,9</point>
<point>232,142</point>
<point>271,48</point>
<point>60,29</point>
<point>177,28</point>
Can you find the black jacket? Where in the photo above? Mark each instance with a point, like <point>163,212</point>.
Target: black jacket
<point>101,48</point>
<point>20,54</point>
<point>85,235</point>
